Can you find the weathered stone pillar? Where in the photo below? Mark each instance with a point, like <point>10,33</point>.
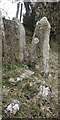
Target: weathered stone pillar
<point>40,45</point>
<point>1,23</point>
<point>0,65</point>
<point>22,42</point>
<point>14,44</point>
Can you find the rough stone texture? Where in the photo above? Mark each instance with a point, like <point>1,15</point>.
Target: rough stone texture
<point>40,44</point>
<point>1,38</point>
<point>44,93</point>
<point>12,108</point>
<point>14,42</point>
<point>0,64</point>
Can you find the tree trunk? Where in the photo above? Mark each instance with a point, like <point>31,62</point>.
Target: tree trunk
<point>17,12</point>
<point>21,11</point>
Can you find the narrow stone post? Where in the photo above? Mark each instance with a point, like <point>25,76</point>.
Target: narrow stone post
<point>22,42</point>
<point>0,65</point>
<point>14,44</point>
<point>40,45</point>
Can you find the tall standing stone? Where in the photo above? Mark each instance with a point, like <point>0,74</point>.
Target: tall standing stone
<point>40,45</point>
<point>0,65</point>
<point>22,42</point>
<point>14,44</point>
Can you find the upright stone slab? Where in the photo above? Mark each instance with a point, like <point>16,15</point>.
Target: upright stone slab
<point>22,42</point>
<point>0,64</point>
<point>40,45</point>
<point>0,38</point>
<point>14,44</point>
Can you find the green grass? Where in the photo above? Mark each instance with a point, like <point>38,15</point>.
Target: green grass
<point>26,94</point>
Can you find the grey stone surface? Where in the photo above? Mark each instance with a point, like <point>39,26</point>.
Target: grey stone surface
<point>40,45</point>
<point>22,42</point>
<point>12,108</point>
<point>44,93</point>
<point>0,64</point>
<point>14,43</point>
